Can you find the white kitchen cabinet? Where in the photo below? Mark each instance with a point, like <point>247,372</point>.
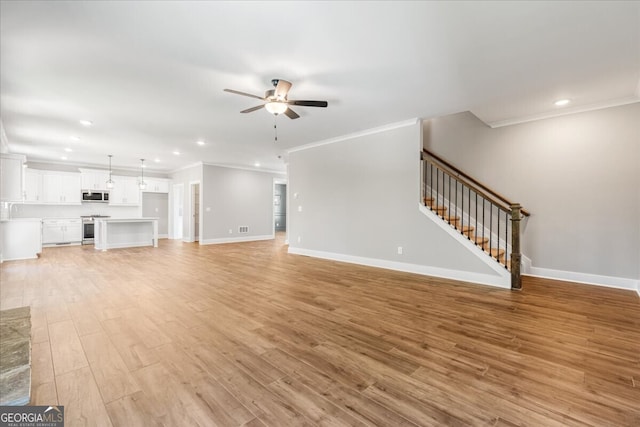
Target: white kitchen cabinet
<point>11,181</point>
<point>61,188</point>
<point>61,231</point>
<point>125,191</point>
<point>94,179</point>
<point>33,192</point>
<point>156,185</point>
<point>20,238</point>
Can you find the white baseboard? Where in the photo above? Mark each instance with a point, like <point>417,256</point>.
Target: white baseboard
<point>465,276</point>
<point>586,278</point>
<point>237,239</point>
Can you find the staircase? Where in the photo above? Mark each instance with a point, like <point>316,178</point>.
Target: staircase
<point>484,217</point>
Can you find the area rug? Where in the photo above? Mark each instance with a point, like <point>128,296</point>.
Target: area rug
<point>15,356</point>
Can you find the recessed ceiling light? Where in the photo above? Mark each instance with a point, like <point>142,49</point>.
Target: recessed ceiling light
<point>144,166</point>
<point>64,157</point>
<point>256,164</point>
<point>68,150</point>
<point>561,102</point>
<point>75,138</point>
<point>177,153</point>
<point>156,160</point>
<point>86,122</point>
<point>200,142</point>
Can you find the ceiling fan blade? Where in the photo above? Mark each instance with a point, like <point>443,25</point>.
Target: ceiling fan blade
<point>249,110</point>
<point>308,103</point>
<point>291,114</point>
<point>237,92</point>
<point>282,89</point>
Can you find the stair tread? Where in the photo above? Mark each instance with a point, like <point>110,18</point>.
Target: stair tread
<point>496,253</point>
<point>468,230</point>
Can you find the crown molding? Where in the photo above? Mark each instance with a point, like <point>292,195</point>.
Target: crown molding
<point>566,111</point>
<point>353,135</point>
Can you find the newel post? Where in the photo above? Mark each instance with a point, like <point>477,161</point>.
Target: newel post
<point>516,280</point>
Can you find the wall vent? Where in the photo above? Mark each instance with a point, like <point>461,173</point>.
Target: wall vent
<point>243,229</point>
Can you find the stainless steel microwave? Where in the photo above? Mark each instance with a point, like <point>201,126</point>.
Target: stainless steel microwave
<point>95,197</point>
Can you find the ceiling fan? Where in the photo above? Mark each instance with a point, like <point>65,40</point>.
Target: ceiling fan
<point>276,100</point>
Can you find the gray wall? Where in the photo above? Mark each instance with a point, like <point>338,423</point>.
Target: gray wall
<point>236,197</point>
<point>359,197</point>
<point>577,174</point>
<point>156,205</point>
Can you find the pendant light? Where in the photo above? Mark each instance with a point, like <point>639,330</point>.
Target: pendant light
<point>110,182</point>
<point>142,184</point>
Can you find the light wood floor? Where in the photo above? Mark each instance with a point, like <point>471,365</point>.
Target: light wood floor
<point>245,334</point>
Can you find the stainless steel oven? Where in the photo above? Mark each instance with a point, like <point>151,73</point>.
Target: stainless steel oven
<point>88,228</point>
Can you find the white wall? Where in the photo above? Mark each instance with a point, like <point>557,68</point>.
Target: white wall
<point>579,177</point>
<point>4,142</point>
<point>357,200</point>
<point>236,197</point>
<point>74,211</point>
<point>184,176</point>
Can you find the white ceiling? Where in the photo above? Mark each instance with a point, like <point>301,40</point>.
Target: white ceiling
<point>150,75</point>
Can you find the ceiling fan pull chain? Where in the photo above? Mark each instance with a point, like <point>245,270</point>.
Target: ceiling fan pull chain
<point>275,127</point>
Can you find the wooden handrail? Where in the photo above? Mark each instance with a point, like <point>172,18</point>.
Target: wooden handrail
<point>470,179</point>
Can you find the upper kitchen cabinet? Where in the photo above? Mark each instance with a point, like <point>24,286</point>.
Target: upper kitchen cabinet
<point>125,191</point>
<point>11,177</point>
<point>156,185</point>
<point>33,191</point>
<point>94,180</point>
<point>61,188</point>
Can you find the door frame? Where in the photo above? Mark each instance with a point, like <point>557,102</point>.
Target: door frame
<point>176,207</point>
<point>192,222</point>
<point>285,182</point>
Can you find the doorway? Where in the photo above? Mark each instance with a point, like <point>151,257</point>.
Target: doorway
<point>178,207</point>
<point>194,229</point>
<point>279,206</point>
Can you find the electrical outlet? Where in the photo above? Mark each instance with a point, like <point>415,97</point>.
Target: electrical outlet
<point>230,231</point>
<point>299,208</point>
<point>399,250</point>
<point>299,239</point>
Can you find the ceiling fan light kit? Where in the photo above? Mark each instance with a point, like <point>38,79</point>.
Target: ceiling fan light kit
<point>276,107</point>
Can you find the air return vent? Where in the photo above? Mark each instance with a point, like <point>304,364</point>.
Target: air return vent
<point>243,229</point>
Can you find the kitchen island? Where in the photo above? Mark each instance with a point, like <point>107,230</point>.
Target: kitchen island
<point>112,233</point>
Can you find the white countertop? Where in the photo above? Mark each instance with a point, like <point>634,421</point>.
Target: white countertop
<point>127,219</point>
<point>21,220</point>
